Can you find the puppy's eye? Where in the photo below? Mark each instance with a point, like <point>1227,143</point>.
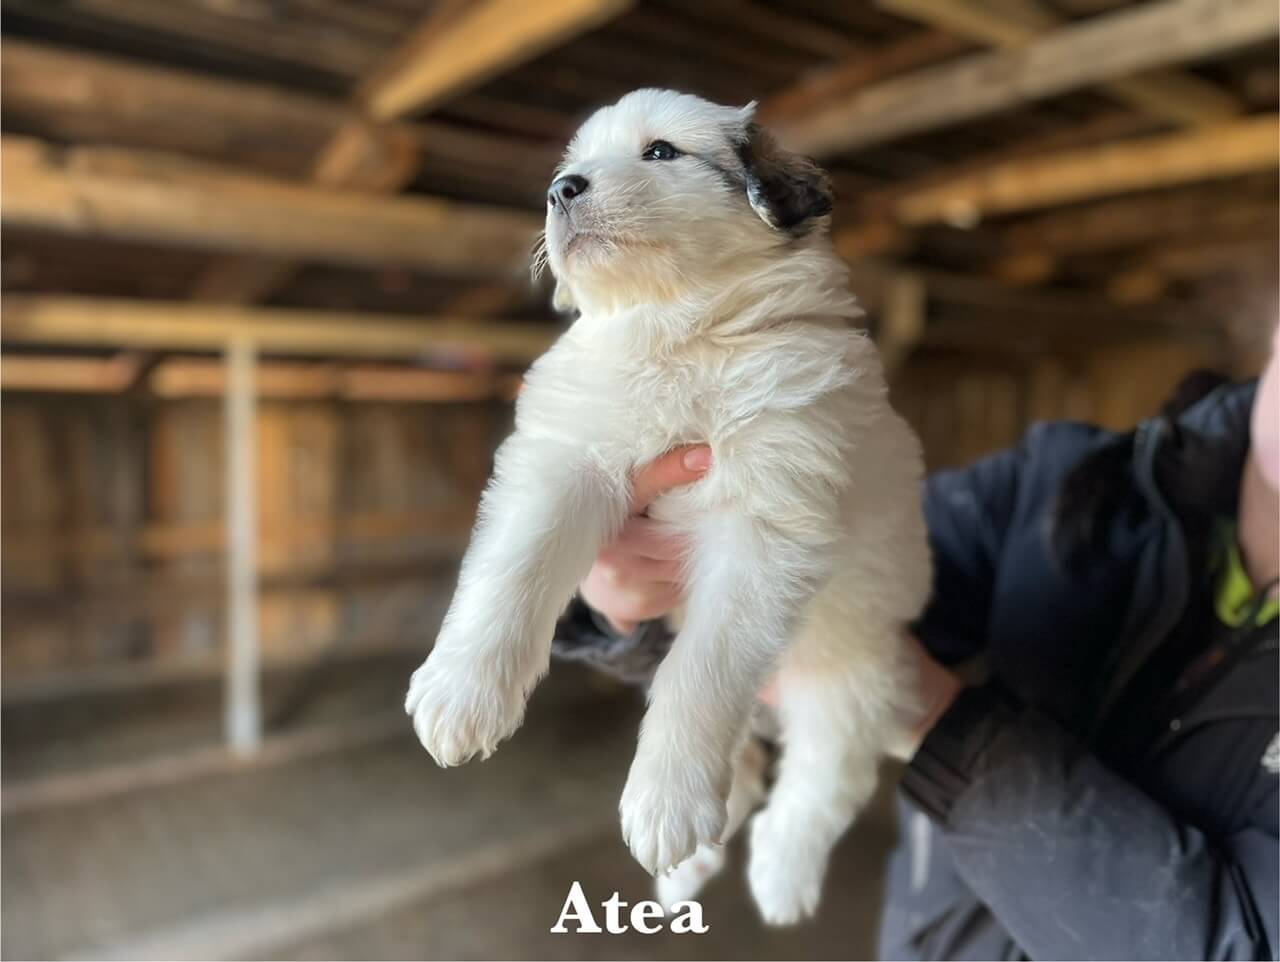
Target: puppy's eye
<point>660,150</point>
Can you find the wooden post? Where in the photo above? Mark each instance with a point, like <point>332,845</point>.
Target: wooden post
<point>243,718</point>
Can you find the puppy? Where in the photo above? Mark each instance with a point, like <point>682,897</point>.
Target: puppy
<point>712,309</point>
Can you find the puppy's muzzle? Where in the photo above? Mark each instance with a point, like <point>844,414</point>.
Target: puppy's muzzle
<point>565,189</point>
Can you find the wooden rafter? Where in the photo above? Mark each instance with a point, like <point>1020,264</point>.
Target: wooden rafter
<point>1105,48</point>
<point>1168,94</point>
<point>471,43</point>
<point>455,46</point>
<point>73,95</point>
<point>71,375</point>
<point>1224,150</point>
<point>152,325</point>
<point>139,195</point>
<point>1212,211</point>
<point>856,72</point>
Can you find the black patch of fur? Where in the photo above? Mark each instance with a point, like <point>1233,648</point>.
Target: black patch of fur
<point>788,191</point>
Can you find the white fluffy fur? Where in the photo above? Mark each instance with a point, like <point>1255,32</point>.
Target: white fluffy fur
<point>700,322</point>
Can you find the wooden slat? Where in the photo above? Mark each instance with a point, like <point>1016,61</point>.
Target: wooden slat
<point>167,541</point>
<point>1203,154</point>
<point>197,377</point>
<point>50,320</point>
<point>138,195</point>
<point>479,41</point>
<point>1169,94</point>
<point>68,375</point>
<point>1106,48</point>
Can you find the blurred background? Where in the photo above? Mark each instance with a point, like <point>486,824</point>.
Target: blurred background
<point>266,305</point>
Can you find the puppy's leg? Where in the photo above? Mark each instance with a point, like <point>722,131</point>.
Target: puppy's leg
<point>687,879</point>
<point>544,516</point>
<point>836,725</point>
<point>747,582</point>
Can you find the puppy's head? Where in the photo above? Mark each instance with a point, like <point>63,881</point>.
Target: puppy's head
<point>664,192</point>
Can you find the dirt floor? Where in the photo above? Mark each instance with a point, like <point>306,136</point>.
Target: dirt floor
<point>367,851</point>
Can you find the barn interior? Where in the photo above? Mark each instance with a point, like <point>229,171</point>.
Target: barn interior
<point>266,304</point>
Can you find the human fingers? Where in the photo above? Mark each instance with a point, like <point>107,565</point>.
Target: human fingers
<point>678,467</point>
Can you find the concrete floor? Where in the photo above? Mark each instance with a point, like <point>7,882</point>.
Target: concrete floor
<point>372,852</point>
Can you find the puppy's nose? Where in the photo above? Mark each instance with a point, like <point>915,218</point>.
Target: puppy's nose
<point>565,189</point>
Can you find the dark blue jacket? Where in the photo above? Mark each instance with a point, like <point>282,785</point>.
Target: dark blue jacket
<point>1030,832</point>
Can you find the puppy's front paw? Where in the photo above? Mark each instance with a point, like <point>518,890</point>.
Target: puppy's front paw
<point>687,879</point>
<point>461,713</point>
<point>668,812</point>
<point>785,874</point>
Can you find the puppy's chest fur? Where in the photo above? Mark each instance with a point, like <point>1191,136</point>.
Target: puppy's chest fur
<point>781,406</point>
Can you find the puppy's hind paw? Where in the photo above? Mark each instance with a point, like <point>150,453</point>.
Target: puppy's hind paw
<point>784,874</point>
<point>458,715</point>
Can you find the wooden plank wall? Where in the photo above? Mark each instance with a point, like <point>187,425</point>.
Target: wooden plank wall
<point>966,405</point>
<point>113,540</point>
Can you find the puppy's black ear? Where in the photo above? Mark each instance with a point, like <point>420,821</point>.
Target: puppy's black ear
<point>788,191</point>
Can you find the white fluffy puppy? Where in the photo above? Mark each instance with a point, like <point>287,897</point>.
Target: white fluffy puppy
<point>713,309</point>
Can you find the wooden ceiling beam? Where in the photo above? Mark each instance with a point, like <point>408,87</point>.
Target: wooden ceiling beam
<point>473,43</point>
<point>144,196</point>
<point>76,96</point>
<point>1215,210</point>
<point>1203,154</point>
<point>293,380</point>
<point>1172,95</point>
<point>1105,48</point>
<point>788,109</point>
<point>455,47</point>
<point>153,325</point>
<point>68,375</point>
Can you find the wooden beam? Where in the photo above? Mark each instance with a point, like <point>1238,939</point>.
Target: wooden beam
<point>1209,153</point>
<point>76,96</point>
<point>876,230</point>
<point>1147,277</point>
<point>68,375</point>
<point>1169,94</point>
<point>455,46</point>
<point>197,29</point>
<point>1212,210</point>
<point>855,72</point>
<point>481,40</point>
<point>49,320</point>
<point>1105,48</point>
<point>289,380</point>
<point>167,541</point>
<point>143,196</point>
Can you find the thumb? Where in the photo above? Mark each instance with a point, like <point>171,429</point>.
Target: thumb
<point>678,467</point>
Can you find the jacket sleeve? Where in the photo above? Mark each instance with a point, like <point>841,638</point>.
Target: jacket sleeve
<point>968,513</point>
<point>1076,862</point>
<point>584,635</point>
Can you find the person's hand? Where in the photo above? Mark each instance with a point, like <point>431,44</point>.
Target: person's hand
<point>936,688</point>
<point>637,576</point>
